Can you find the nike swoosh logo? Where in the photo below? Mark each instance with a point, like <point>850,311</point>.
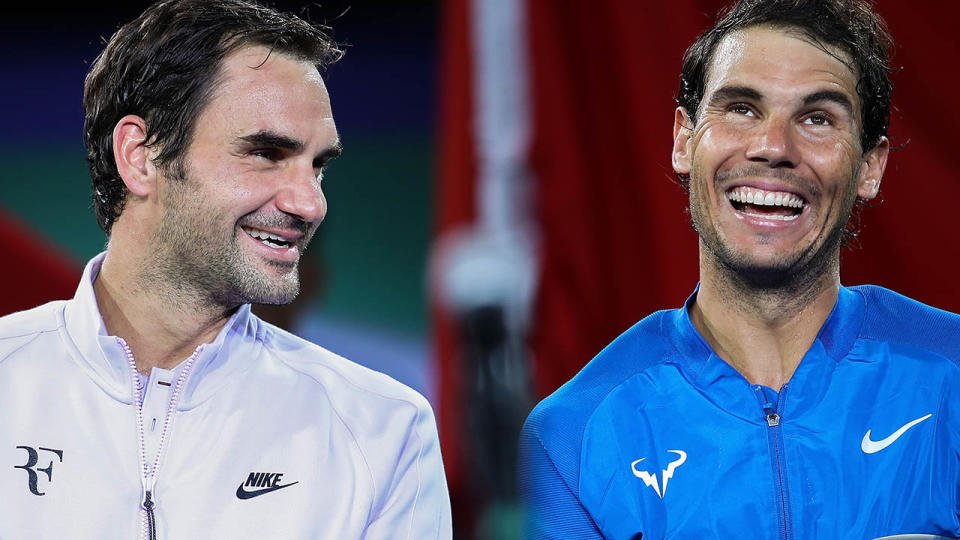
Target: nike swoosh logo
<point>869,447</point>
<point>244,494</point>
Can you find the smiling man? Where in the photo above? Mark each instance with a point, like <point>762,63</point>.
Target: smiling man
<point>154,404</point>
<point>776,403</point>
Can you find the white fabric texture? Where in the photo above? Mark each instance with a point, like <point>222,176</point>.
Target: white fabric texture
<point>356,451</point>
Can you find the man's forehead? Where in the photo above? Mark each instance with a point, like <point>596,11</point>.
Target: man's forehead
<point>775,52</point>
<point>252,62</point>
<point>265,91</point>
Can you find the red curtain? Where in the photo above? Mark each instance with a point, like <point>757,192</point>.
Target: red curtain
<point>455,206</point>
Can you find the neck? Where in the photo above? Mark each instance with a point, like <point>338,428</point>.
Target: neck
<point>763,332</point>
<point>161,323</point>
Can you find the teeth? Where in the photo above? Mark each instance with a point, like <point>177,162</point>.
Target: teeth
<point>762,197</point>
<point>271,240</point>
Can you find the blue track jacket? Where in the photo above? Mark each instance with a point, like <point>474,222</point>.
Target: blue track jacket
<point>659,436</point>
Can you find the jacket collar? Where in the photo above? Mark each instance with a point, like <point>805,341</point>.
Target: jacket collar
<point>726,387</point>
<point>102,356</point>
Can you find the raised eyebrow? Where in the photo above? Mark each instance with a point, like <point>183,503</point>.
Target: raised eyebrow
<point>733,93</point>
<point>272,140</point>
<point>831,96</point>
<point>330,153</point>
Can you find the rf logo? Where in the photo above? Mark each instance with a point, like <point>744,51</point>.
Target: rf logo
<point>33,456</point>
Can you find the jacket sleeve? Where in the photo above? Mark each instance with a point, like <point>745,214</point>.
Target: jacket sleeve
<point>554,510</point>
<point>418,503</point>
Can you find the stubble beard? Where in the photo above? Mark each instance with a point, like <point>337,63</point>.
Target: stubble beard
<point>195,261</point>
<point>793,275</point>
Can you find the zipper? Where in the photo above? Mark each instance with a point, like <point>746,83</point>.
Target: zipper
<point>151,523</point>
<point>148,472</point>
<point>773,416</point>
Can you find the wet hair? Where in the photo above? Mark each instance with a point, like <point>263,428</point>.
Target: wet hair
<point>165,65</point>
<point>850,26</point>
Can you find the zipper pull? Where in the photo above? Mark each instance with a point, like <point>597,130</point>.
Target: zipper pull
<point>769,409</point>
<point>773,419</point>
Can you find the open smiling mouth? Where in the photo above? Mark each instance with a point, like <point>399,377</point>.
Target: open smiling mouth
<point>268,239</point>
<point>772,205</point>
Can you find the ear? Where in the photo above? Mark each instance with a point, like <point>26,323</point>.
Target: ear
<point>871,169</point>
<point>132,155</point>
<point>682,131</point>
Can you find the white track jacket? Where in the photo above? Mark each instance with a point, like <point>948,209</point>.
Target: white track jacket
<point>258,434</point>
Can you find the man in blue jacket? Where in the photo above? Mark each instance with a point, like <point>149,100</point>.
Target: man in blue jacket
<point>776,403</point>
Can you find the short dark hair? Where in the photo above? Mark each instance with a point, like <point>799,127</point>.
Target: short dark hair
<point>164,66</point>
<point>849,25</point>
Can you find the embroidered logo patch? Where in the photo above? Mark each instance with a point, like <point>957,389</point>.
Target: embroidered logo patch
<point>262,483</point>
<point>667,474</point>
<point>33,457</point>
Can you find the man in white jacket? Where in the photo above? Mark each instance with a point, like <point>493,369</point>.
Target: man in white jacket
<point>153,403</point>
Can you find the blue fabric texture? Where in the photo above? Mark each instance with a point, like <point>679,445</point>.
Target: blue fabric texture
<point>658,436</point>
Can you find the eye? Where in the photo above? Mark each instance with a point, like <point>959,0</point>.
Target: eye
<point>818,119</point>
<point>271,154</point>
<point>741,108</point>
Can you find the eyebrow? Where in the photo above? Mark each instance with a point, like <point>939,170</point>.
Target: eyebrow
<point>272,139</point>
<point>731,93</point>
<point>832,96</point>
<point>277,140</point>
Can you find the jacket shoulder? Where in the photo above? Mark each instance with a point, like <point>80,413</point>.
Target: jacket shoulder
<point>557,423</point>
<point>388,427</point>
<point>895,318</point>
<point>343,381</point>
<point>43,318</point>
<point>18,329</point>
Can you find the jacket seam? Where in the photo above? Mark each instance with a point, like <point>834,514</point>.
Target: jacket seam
<point>954,361</point>
<point>603,399</point>
<point>353,435</point>
<point>24,344</point>
<point>940,406</point>
<point>416,498</point>
<point>576,492</point>
<point>370,515</point>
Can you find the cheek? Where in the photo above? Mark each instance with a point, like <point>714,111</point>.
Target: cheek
<point>715,141</point>
<point>835,163</point>
<point>244,194</point>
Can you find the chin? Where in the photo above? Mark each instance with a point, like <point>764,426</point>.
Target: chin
<point>282,294</point>
<point>265,286</point>
<point>795,271</point>
<point>764,277</point>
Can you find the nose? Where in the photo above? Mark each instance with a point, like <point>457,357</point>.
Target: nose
<point>300,195</point>
<point>774,144</point>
